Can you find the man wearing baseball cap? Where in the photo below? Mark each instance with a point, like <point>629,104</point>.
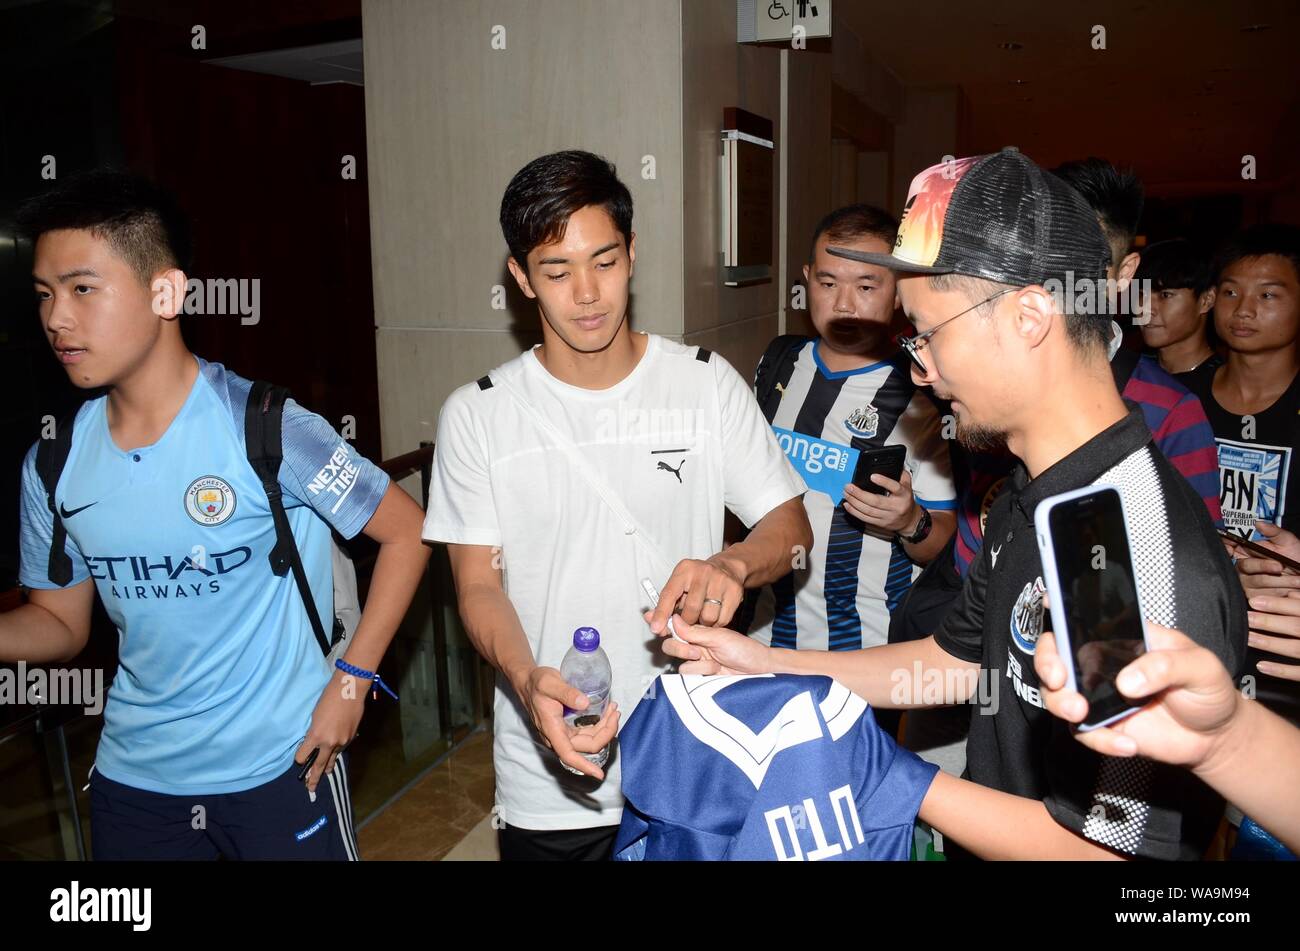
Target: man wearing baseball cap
<point>984,243</point>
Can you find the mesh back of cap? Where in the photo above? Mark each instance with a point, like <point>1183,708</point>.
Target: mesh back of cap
<point>1009,221</point>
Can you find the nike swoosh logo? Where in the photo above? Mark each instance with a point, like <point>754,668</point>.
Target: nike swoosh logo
<point>995,552</point>
<point>64,513</point>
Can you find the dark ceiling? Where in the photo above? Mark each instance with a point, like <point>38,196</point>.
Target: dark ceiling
<point>1181,92</point>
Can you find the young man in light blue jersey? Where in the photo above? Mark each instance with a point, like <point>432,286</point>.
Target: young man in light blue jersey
<point>222,692</point>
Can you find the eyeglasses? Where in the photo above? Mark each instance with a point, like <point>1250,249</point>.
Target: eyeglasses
<point>914,345</point>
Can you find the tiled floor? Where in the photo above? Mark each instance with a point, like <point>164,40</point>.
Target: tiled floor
<point>479,846</point>
<point>440,811</point>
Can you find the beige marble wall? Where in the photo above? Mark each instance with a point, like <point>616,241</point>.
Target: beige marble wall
<point>449,119</point>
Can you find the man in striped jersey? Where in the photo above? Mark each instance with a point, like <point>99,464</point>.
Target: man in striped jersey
<point>827,398</point>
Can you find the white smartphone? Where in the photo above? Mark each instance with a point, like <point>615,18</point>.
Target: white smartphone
<point>652,593</point>
<point>1096,601</point>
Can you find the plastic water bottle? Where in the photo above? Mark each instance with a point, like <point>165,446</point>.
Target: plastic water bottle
<point>586,668</point>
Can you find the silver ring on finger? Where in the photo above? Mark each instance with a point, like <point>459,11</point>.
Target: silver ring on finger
<point>713,601</point>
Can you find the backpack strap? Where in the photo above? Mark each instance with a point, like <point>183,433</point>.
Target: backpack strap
<point>775,369</point>
<point>262,433</point>
<point>51,457</point>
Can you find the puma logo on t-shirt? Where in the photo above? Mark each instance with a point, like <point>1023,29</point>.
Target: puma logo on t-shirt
<point>667,468</point>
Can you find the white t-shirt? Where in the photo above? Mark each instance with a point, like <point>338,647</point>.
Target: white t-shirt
<point>677,439</point>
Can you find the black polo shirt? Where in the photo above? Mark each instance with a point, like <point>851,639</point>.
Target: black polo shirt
<point>1133,806</point>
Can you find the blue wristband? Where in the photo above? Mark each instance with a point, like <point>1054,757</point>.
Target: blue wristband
<point>370,675</point>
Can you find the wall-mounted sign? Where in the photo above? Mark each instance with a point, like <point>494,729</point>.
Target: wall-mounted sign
<point>774,21</point>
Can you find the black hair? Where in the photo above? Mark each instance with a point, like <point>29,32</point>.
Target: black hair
<point>1174,264</point>
<point>1257,241</point>
<point>140,221</point>
<point>1116,196</point>
<point>1179,263</point>
<point>1085,331</point>
<point>855,221</point>
<point>539,200</point>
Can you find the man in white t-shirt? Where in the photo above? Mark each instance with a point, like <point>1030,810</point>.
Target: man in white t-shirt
<point>565,476</point>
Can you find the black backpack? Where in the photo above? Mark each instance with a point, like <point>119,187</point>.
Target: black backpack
<point>774,371</point>
<point>262,419</point>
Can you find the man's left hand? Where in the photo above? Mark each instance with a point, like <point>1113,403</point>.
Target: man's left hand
<point>709,591</point>
<point>894,513</point>
<point>334,723</point>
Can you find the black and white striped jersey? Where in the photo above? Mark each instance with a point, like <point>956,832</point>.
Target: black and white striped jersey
<point>840,596</point>
<point>1133,806</point>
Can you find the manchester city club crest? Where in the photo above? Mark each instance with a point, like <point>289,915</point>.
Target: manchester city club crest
<point>210,500</point>
<point>863,422</point>
<point>1027,617</point>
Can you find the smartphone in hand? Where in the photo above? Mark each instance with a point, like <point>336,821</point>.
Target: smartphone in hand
<point>1097,616</point>
<point>1259,551</point>
<point>883,460</point>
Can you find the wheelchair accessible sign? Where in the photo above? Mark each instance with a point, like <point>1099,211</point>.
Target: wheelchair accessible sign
<point>825,466</point>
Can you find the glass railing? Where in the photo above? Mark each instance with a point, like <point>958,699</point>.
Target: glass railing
<point>445,690</point>
<point>438,675</point>
<point>44,813</point>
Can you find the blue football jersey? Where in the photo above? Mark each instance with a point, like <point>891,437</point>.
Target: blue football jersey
<point>219,670</point>
<point>786,768</point>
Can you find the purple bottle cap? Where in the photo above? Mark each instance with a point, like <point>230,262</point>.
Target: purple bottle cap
<point>586,639</point>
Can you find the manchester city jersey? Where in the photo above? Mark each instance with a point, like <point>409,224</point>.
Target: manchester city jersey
<point>785,768</point>
<point>839,596</point>
<point>219,670</point>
